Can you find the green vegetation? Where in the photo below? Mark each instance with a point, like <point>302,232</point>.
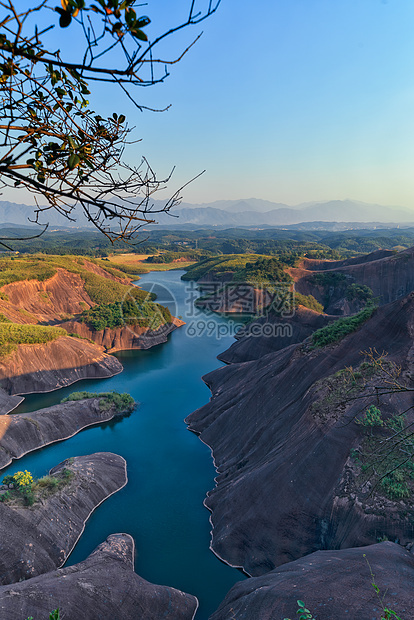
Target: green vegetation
<point>336,390</point>
<point>339,329</point>
<point>263,271</point>
<point>13,334</point>
<point>20,479</point>
<point>100,289</point>
<point>386,613</point>
<point>372,417</point>
<point>26,490</point>
<point>132,311</point>
<point>3,318</point>
<point>382,458</point>
<point>15,269</point>
<point>169,257</point>
<point>304,614</point>
<point>308,301</point>
<point>102,316</point>
<point>328,278</point>
<point>121,402</point>
<point>359,292</point>
<point>220,265</point>
<point>317,244</point>
<point>48,485</point>
<point>121,270</point>
<point>54,615</point>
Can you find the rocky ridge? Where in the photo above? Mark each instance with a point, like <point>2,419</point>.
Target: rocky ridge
<point>333,584</point>
<point>37,539</point>
<point>280,459</point>
<point>102,586</point>
<point>24,432</point>
<point>46,367</point>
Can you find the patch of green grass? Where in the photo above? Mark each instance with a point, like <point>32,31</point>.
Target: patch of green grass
<point>328,278</point>
<point>13,334</point>
<point>45,296</point>
<point>122,270</point>
<point>122,402</point>
<point>308,301</point>
<point>48,485</point>
<point>220,265</point>
<point>27,490</point>
<point>339,329</point>
<point>24,269</point>
<point>169,257</point>
<point>42,267</point>
<point>7,349</point>
<point>133,311</point>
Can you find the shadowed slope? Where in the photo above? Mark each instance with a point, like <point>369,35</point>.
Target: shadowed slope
<point>279,492</point>
<point>24,432</point>
<point>333,584</point>
<point>38,539</point>
<point>390,277</point>
<point>103,586</point>
<point>47,367</point>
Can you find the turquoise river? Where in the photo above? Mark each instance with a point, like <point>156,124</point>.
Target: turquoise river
<point>169,469</point>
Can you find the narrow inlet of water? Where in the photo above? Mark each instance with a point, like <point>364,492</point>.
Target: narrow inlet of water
<point>169,469</point>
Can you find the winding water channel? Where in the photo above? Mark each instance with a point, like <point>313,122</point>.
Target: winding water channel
<point>169,468</point>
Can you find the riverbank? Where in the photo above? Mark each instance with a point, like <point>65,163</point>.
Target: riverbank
<point>169,469</point>
<point>23,433</point>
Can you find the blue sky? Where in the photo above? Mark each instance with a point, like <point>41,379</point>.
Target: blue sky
<point>291,101</point>
<point>285,100</point>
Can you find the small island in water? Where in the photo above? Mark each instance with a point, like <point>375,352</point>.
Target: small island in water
<point>309,426</point>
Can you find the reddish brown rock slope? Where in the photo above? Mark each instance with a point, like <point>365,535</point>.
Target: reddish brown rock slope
<point>390,277</point>
<point>47,367</point>
<point>123,338</point>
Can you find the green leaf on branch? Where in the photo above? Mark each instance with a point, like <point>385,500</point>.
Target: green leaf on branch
<point>138,34</point>
<point>73,161</point>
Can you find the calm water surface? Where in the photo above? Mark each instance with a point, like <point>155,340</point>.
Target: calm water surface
<point>169,468</point>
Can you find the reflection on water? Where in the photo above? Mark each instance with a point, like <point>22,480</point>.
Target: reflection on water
<point>169,469</point>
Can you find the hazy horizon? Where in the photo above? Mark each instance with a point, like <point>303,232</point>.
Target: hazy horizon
<point>290,102</point>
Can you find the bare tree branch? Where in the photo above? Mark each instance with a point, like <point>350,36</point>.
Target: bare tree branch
<point>51,142</point>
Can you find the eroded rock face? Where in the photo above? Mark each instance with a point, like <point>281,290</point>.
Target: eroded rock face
<point>23,432</point>
<point>281,491</point>
<point>30,301</point>
<point>103,586</point>
<point>57,364</point>
<point>62,294</point>
<point>389,275</point>
<point>123,338</point>
<point>267,335</point>
<point>8,403</point>
<point>38,539</point>
<point>333,584</point>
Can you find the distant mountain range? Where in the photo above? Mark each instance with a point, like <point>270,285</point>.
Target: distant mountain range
<point>250,212</point>
<point>253,212</point>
